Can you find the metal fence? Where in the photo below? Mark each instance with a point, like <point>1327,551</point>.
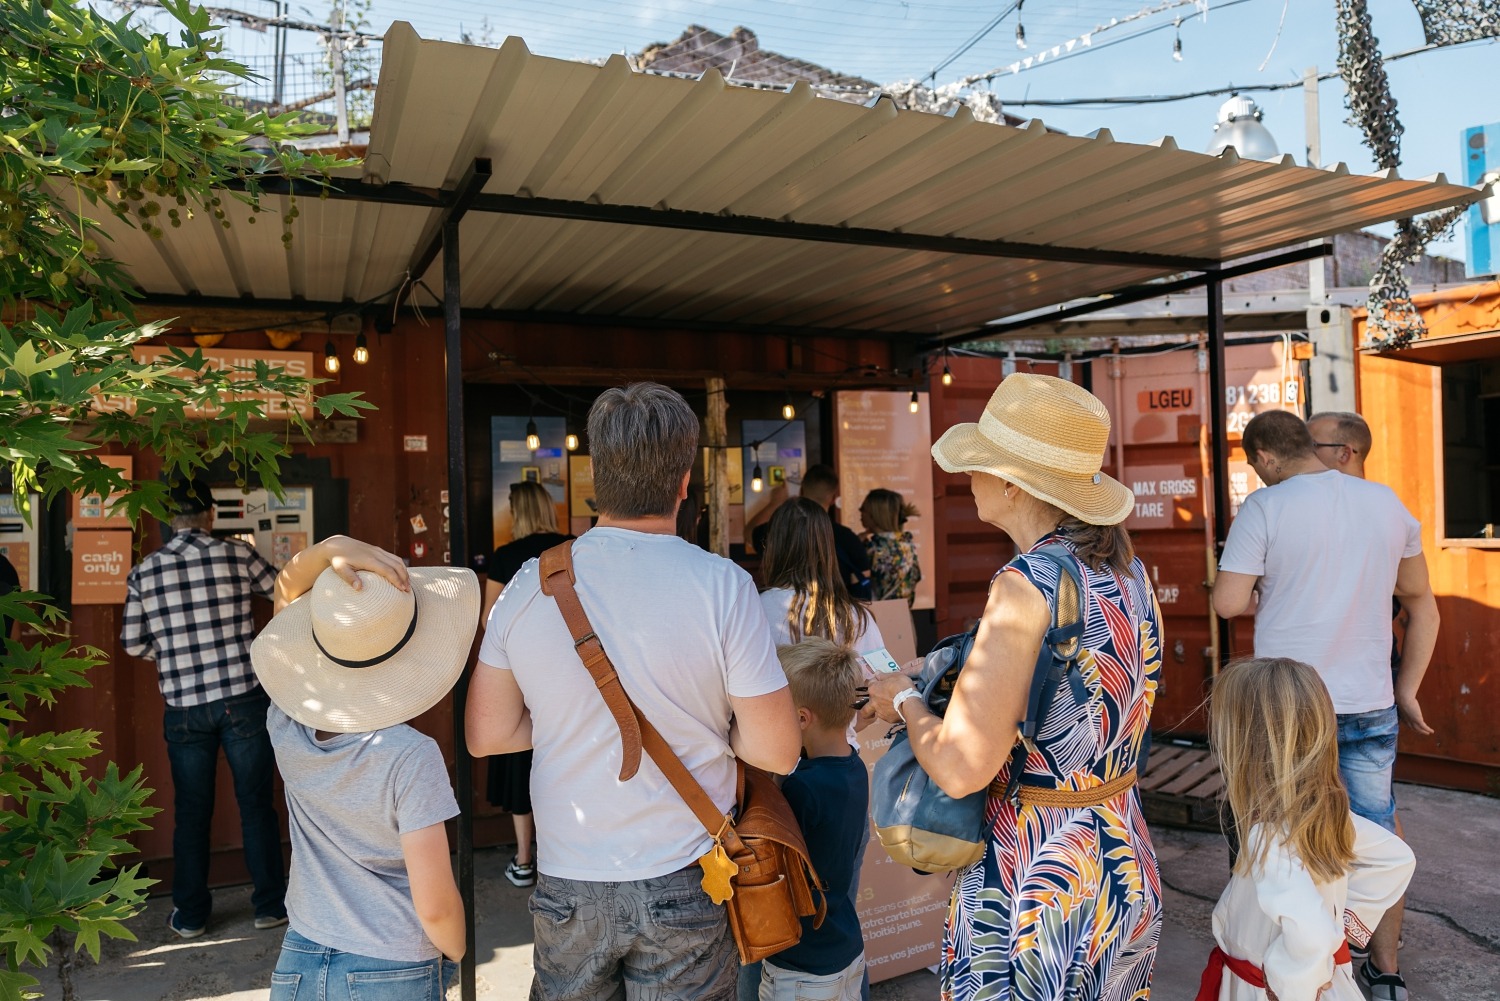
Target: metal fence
<point>305,83</point>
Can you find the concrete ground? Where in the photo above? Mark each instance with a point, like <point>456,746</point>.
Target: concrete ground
<point>1452,930</point>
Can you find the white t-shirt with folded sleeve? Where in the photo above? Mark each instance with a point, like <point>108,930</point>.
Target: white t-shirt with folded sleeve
<point>685,630</point>
<point>1326,547</point>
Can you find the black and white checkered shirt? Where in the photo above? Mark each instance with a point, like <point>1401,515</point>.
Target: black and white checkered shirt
<point>187,606</point>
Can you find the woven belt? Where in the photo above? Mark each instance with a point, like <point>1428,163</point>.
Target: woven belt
<point>1069,798</point>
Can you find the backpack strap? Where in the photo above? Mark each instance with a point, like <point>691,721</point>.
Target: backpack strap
<point>1056,662</point>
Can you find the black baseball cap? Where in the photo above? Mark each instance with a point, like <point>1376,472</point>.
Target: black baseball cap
<point>193,495</point>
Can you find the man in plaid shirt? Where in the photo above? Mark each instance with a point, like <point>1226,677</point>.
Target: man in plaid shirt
<point>187,607</point>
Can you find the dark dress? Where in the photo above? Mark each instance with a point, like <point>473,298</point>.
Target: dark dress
<point>509,785</point>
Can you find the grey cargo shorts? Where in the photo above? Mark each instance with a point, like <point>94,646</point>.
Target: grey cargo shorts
<point>658,939</point>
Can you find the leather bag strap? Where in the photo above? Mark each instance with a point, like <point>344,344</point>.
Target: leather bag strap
<point>557,580</point>
<point>636,731</point>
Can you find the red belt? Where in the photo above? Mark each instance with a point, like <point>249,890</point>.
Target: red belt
<point>1213,973</point>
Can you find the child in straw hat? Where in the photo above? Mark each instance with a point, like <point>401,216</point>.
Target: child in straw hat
<point>358,646</point>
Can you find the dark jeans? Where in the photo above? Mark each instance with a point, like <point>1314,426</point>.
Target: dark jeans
<point>194,736</point>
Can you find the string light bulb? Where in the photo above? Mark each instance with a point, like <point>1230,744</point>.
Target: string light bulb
<point>787,410</point>
<point>533,440</point>
<point>361,350</point>
<point>571,442</point>
<point>1177,42</point>
<point>1020,28</point>
<point>330,358</point>
<point>947,372</point>
<point>916,403</point>
<point>756,483</point>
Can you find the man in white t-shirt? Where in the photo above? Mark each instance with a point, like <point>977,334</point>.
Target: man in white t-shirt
<point>1325,552</point>
<point>618,907</point>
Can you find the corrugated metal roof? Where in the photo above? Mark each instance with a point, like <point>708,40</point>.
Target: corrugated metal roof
<point>607,135</point>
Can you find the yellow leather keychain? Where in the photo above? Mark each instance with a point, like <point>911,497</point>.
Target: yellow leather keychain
<point>718,868</point>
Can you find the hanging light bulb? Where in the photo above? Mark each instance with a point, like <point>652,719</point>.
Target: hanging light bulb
<point>330,358</point>
<point>1020,28</point>
<point>947,372</point>
<point>571,442</point>
<point>916,404</point>
<point>533,440</point>
<point>1177,42</point>
<point>756,483</point>
<point>787,410</point>
<point>361,350</point>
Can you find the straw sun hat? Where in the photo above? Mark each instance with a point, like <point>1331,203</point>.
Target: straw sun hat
<point>1048,437</point>
<point>351,661</point>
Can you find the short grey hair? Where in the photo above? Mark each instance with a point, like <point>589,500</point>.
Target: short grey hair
<point>1352,430</point>
<point>200,520</point>
<point>643,439</point>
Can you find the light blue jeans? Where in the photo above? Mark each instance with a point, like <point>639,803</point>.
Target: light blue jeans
<point>1367,758</point>
<point>307,971</point>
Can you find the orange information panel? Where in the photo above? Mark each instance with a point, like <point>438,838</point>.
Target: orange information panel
<point>19,554</point>
<point>101,561</point>
<point>94,511</point>
<point>1166,496</point>
<point>881,443</point>
<point>901,912</point>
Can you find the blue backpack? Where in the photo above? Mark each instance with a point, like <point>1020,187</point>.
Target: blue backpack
<point>920,825</point>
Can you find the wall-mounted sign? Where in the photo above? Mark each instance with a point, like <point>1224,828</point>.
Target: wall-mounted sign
<point>414,443</point>
<point>241,362</point>
<point>101,562</point>
<point>92,510</point>
<point>1165,497</point>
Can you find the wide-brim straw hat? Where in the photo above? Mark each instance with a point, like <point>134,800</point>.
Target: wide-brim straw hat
<point>351,661</point>
<point>1048,437</point>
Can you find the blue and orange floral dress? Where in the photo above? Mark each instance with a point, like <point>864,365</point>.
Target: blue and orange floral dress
<point>1066,902</point>
<point>894,571</point>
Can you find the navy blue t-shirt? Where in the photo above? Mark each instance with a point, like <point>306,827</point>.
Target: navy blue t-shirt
<point>830,797</point>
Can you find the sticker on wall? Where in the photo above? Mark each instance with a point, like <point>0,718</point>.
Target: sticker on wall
<point>418,524</point>
<point>414,442</point>
<point>418,550</point>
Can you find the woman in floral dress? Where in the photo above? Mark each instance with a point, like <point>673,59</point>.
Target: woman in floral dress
<point>1066,901</point>
<point>894,571</point>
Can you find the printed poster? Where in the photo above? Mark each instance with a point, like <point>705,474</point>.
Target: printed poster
<point>512,462</point>
<point>881,443</point>
<point>581,507</point>
<point>92,510</point>
<point>782,457</point>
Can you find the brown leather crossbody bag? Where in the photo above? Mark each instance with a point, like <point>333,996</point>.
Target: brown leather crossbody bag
<point>758,864</point>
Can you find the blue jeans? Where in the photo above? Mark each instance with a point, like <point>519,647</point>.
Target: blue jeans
<point>1367,758</point>
<point>194,736</point>
<point>307,971</point>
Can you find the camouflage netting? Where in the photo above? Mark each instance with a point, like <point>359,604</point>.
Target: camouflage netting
<point>1449,22</point>
<point>1394,321</point>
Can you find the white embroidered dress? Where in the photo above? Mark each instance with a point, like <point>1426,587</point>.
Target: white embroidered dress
<point>1290,926</point>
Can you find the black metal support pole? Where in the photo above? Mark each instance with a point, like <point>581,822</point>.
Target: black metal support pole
<point>1218,427</point>
<point>1218,411</point>
<point>458,544</point>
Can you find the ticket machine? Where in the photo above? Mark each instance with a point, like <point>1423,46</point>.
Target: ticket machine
<point>278,529</point>
<point>19,538</point>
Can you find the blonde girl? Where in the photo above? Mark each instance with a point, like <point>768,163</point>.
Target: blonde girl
<point>1310,872</point>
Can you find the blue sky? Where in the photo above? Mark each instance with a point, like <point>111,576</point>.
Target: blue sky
<point>1239,42</point>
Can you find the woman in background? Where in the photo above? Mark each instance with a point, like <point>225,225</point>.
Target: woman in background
<point>534,526</point>
<point>894,571</point>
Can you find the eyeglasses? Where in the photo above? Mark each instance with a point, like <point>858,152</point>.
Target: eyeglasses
<point>1332,444</point>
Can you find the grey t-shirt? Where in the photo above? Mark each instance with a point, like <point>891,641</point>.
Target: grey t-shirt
<point>349,799</point>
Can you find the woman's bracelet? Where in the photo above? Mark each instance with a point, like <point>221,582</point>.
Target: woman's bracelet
<point>902,697</point>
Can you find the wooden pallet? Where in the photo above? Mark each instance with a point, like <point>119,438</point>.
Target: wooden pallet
<point>1183,787</point>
